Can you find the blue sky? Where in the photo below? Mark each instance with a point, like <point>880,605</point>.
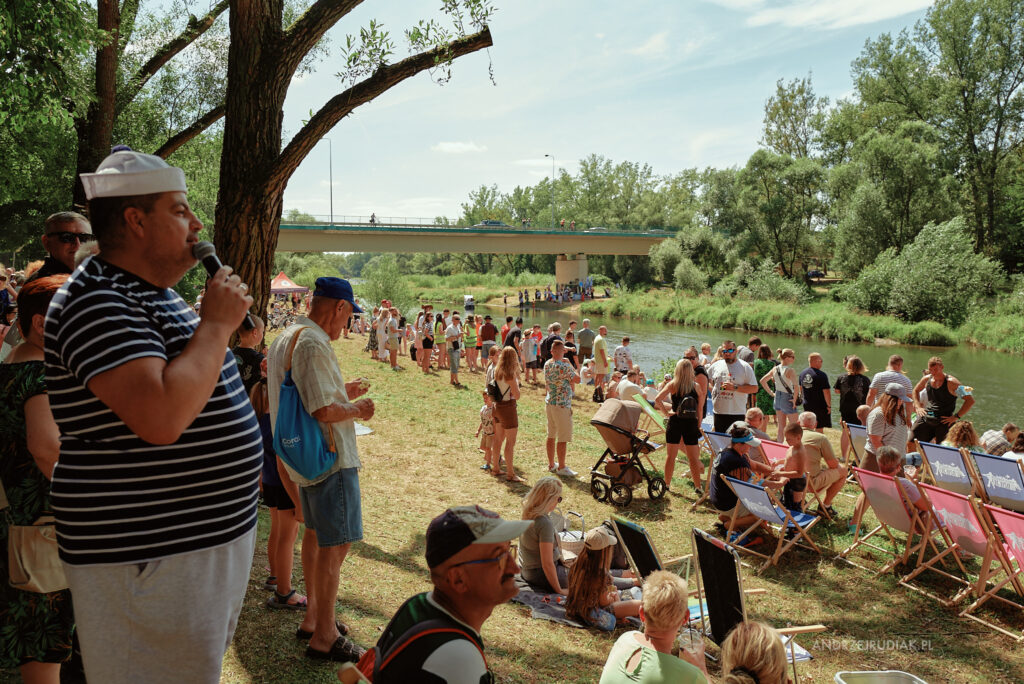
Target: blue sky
<point>672,84</point>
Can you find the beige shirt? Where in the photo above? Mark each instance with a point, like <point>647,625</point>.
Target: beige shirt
<point>317,375</point>
<point>818,449</point>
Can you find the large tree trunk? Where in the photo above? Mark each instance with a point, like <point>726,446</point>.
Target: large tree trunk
<point>95,130</point>
<point>248,213</point>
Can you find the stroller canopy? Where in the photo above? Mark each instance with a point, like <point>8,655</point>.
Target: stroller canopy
<point>616,420</point>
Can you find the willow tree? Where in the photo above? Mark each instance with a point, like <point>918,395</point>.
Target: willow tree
<point>263,55</point>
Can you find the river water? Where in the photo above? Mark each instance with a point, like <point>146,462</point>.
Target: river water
<point>997,378</point>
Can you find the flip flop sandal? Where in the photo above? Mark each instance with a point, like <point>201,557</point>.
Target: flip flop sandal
<point>342,651</point>
<point>280,601</point>
<point>303,635</point>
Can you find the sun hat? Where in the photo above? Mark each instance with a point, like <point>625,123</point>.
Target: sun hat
<point>126,173</point>
<point>599,538</point>
<point>460,526</point>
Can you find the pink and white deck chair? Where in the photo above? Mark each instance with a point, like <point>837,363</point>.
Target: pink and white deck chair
<point>947,467</point>
<point>1007,528</point>
<point>1001,480</point>
<point>963,530</point>
<point>714,442</point>
<point>776,454</point>
<point>760,502</point>
<point>894,511</point>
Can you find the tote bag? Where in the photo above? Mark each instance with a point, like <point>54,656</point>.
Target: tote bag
<point>298,440</point>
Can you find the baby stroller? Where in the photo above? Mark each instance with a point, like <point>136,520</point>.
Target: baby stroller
<point>620,467</point>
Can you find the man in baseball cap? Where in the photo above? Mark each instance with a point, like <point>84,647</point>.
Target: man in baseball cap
<point>472,567</point>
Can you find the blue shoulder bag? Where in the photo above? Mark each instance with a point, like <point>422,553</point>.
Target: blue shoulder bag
<point>298,440</point>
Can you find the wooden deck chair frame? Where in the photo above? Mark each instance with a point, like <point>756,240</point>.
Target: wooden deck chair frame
<point>778,516</point>
<point>945,521</point>
<point>990,515</point>
<point>916,526</point>
<point>651,419</point>
<point>719,624</point>
<point>709,443</point>
<point>987,482</point>
<point>943,474</point>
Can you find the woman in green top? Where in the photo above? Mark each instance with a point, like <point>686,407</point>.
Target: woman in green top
<point>440,342</point>
<point>762,364</point>
<point>645,657</point>
<point>469,337</point>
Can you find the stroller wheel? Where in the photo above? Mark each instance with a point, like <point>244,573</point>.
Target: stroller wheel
<point>599,489</point>
<point>656,488</point>
<point>621,494</point>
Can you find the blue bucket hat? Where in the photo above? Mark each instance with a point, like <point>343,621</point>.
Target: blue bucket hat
<point>336,288</point>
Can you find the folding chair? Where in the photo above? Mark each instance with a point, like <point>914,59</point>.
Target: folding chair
<point>760,502</point>
<point>1001,480</point>
<point>858,436</point>
<point>947,467</point>
<point>652,422</point>
<point>641,554</point>
<point>707,424</point>
<point>962,530</point>
<point>1007,528</point>
<point>715,442</point>
<point>775,453</point>
<point>894,511</point>
<point>720,585</point>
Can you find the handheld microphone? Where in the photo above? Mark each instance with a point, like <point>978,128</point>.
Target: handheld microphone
<point>207,255</point>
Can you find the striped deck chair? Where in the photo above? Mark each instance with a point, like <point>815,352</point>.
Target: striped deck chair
<point>760,502</point>
<point>715,442</point>
<point>1001,480</point>
<point>894,511</point>
<point>858,435</point>
<point>776,453</point>
<point>707,424</point>
<point>1007,527</point>
<point>947,467</point>
<point>963,530</point>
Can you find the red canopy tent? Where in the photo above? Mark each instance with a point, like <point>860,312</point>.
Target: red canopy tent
<point>282,284</point>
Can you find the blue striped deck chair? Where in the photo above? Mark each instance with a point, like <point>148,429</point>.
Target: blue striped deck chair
<point>1001,480</point>
<point>947,467</point>
<point>714,442</point>
<point>858,440</point>
<point>760,502</point>
<point>707,424</point>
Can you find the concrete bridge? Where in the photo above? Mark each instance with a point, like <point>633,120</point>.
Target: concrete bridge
<point>570,246</point>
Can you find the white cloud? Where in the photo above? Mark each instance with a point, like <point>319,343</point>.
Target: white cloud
<point>599,36</point>
<point>655,46</point>
<point>458,147</point>
<point>833,14</point>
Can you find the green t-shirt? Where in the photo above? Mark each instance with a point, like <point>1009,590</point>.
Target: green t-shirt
<point>653,667</point>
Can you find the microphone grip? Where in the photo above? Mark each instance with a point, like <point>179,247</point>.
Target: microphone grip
<point>212,264</point>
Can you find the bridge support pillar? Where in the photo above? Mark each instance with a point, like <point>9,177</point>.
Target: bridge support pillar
<point>570,268</point>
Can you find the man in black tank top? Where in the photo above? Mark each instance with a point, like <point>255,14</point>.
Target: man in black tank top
<point>935,417</point>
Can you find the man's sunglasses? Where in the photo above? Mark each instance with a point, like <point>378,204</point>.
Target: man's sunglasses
<point>728,351</point>
<point>67,237</point>
<point>503,558</point>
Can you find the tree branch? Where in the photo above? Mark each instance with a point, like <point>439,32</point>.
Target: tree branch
<point>384,78</point>
<point>183,136</point>
<point>194,29</point>
<point>308,29</point>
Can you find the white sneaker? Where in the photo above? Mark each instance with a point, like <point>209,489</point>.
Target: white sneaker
<point>567,472</point>
<point>553,469</point>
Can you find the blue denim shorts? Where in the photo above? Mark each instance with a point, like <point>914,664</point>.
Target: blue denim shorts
<point>333,508</point>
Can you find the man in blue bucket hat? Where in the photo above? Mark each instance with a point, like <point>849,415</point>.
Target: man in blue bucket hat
<point>331,506</point>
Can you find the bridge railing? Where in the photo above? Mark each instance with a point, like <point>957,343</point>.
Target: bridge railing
<point>442,222</point>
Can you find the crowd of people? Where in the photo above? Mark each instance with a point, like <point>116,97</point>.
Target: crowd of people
<point>129,420</point>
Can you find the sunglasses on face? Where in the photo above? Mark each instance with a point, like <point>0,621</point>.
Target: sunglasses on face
<point>503,558</point>
<point>728,351</point>
<point>690,358</point>
<point>67,237</point>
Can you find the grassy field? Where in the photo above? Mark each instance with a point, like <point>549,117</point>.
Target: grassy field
<point>422,458</point>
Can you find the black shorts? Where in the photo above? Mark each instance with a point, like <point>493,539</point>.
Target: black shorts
<point>850,418</point>
<point>724,420</point>
<point>824,418</point>
<point>428,344</point>
<point>685,430</point>
<point>276,496</point>
<point>926,429</point>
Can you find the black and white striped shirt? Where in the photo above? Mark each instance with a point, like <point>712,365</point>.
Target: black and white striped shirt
<point>118,499</point>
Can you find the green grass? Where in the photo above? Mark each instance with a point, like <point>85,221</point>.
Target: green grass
<point>820,319</point>
<point>423,458</point>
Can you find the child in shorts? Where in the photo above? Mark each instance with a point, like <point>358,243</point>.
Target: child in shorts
<point>795,468</point>
<point>486,430</point>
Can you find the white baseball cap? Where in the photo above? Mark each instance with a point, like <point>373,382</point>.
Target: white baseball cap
<point>126,173</point>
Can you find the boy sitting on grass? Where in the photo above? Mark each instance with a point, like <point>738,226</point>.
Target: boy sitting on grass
<point>795,469</point>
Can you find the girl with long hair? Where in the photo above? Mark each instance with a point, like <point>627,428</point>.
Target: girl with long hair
<point>593,598</point>
<point>440,342</point>
<point>852,389</point>
<point>506,416</point>
<point>786,392</point>
<point>683,426</point>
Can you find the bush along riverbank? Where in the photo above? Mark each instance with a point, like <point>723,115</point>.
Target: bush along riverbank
<point>818,320</point>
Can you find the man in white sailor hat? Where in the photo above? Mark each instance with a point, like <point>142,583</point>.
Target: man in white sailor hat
<point>155,489</point>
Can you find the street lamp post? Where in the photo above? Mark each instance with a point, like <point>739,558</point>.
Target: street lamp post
<point>330,174</point>
<point>552,189</point>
